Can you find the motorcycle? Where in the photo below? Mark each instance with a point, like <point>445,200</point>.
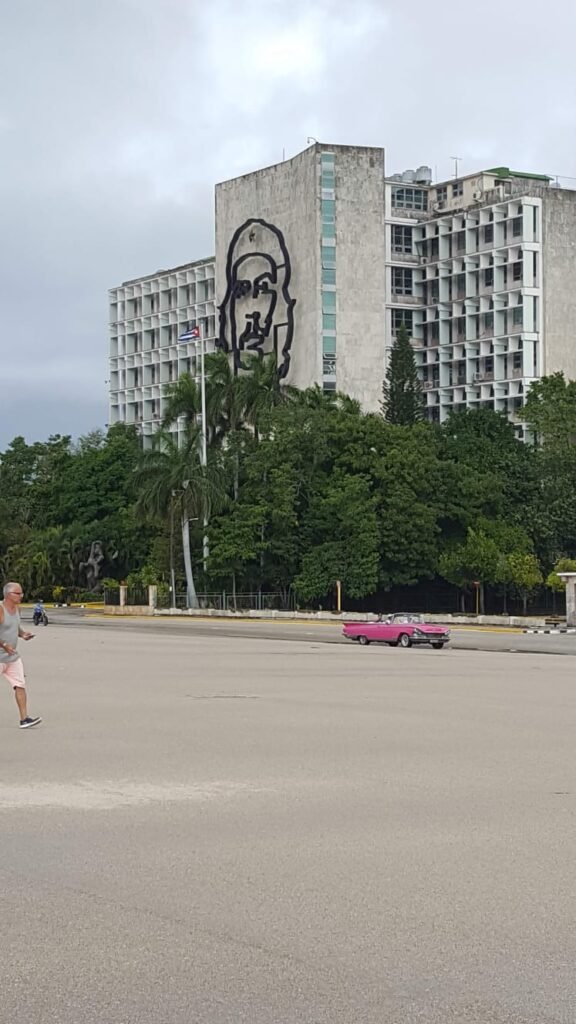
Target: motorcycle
<point>39,617</point>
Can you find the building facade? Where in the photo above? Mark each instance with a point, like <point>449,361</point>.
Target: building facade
<point>321,258</point>
<point>147,317</point>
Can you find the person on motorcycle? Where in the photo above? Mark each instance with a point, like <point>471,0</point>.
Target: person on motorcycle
<point>39,615</point>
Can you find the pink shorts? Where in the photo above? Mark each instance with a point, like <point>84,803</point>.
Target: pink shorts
<point>14,672</point>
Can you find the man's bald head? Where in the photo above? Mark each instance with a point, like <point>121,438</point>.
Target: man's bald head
<point>12,590</point>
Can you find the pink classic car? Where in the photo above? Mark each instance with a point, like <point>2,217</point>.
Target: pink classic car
<point>402,630</point>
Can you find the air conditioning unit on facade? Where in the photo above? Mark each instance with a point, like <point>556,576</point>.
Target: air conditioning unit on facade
<point>426,385</point>
<point>477,195</point>
<point>476,378</point>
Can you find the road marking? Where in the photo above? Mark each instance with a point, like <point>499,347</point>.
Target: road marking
<point>108,794</point>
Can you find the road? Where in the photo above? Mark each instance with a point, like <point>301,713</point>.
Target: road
<point>286,832</point>
<point>471,638</point>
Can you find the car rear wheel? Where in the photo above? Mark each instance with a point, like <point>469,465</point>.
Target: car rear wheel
<point>363,640</point>
<point>438,646</point>
<point>404,640</point>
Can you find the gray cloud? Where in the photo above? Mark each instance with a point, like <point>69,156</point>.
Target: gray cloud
<point>117,119</point>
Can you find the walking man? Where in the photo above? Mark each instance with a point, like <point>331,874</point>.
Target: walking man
<point>10,662</point>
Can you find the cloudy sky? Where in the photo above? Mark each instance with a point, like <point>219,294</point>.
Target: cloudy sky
<point>117,117</point>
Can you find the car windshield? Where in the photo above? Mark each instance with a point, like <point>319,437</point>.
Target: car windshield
<point>407,617</point>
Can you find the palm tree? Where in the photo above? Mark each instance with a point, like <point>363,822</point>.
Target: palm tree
<point>225,406</point>
<point>263,391</point>
<point>183,399</point>
<point>171,475</point>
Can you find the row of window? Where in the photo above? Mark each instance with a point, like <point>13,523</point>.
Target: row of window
<point>431,330</point>
<point>404,245</point>
<point>457,189</point>
<point>328,260</point>
<point>403,282</point>
<point>172,298</point>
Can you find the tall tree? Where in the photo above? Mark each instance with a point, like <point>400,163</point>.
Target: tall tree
<point>263,391</point>
<point>550,411</point>
<point>172,476</point>
<point>402,394</point>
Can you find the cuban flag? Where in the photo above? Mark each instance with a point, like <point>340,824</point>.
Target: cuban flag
<point>190,334</point>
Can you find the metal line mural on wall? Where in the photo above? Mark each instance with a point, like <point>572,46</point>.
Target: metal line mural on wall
<point>257,314</point>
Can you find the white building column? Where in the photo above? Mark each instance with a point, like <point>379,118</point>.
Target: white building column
<point>569,579</point>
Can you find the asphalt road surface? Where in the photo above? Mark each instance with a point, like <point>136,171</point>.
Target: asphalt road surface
<point>286,832</point>
<point>470,638</point>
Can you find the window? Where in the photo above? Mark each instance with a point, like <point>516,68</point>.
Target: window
<point>402,281</point>
<point>328,345</point>
<point>328,254</point>
<point>329,385</point>
<point>328,275</point>
<point>327,166</point>
<point>328,230</point>
<point>517,271</point>
<point>402,316</point>
<point>488,233</point>
<point>517,226</point>
<point>517,361</point>
<point>488,321</point>
<point>328,211</point>
<point>442,193</point>
<point>517,316</point>
<point>489,365</point>
<point>401,238</point>
<point>409,198</point>
<point>489,277</point>
<point>329,321</point>
<point>329,366</point>
<point>461,241</point>
<point>457,189</point>
<point>328,302</point>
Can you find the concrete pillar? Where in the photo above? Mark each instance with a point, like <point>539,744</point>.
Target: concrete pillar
<point>152,597</point>
<point>123,595</point>
<point>570,581</point>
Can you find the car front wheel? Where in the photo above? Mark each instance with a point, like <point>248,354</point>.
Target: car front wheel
<point>438,646</point>
<point>404,640</point>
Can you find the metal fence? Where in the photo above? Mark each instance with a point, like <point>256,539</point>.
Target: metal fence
<point>224,601</point>
<point>112,595</point>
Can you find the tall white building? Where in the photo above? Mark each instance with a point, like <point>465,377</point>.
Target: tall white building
<point>147,317</point>
<point>320,258</point>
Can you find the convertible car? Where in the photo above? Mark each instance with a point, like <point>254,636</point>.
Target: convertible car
<point>402,630</point>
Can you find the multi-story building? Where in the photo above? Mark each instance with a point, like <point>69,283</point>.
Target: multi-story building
<point>147,317</point>
<point>319,259</point>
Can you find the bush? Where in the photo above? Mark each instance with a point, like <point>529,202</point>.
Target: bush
<point>89,597</point>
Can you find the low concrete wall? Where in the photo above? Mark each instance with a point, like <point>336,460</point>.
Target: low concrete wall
<point>128,609</point>
<point>505,621</point>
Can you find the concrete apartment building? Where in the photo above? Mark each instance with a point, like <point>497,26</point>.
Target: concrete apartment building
<point>320,258</point>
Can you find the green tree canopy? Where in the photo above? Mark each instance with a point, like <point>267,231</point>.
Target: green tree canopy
<point>401,392</point>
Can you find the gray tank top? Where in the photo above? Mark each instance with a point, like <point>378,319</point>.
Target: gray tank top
<point>9,634</point>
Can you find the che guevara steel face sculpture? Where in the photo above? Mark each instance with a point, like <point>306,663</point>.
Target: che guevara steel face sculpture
<point>257,313</point>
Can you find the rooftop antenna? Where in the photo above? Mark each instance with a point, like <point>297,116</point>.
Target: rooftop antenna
<point>457,160</point>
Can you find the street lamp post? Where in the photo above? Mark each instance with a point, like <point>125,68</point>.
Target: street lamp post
<point>196,334</point>
<point>201,339</point>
